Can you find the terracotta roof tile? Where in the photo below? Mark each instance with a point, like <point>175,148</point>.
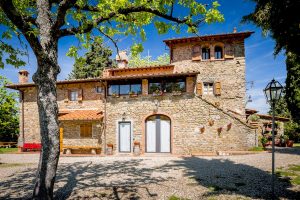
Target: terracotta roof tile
<point>209,37</point>
<point>174,74</point>
<point>82,115</point>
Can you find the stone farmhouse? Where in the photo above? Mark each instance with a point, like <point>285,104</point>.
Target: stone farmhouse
<point>195,105</point>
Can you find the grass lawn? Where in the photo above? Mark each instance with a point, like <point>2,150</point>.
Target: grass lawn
<point>256,149</point>
<point>8,150</point>
<point>292,174</point>
<point>297,145</point>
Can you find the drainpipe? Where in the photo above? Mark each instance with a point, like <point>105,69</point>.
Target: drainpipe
<point>104,119</point>
<point>22,125</point>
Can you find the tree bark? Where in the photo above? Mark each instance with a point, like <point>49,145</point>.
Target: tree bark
<point>45,80</point>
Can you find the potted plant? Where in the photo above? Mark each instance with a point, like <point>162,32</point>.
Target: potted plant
<point>136,143</point>
<point>110,147</point>
<point>211,122</point>
<point>202,129</point>
<point>136,148</point>
<point>176,93</point>
<point>157,92</point>
<point>283,140</point>
<point>132,94</point>
<point>264,141</point>
<point>290,143</point>
<point>229,126</point>
<point>219,130</point>
<point>115,95</point>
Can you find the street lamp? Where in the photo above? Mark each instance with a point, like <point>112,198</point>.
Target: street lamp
<point>273,94</point>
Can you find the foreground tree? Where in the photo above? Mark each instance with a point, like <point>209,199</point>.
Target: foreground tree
<point>291,128</point>
<point>93,62</point>
<point>9,118</point>
<point>44,22</point>
<point>279,18</point>
<point>139,61</point>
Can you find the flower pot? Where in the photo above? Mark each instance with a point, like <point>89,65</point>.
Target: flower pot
<point>211,122</point>
<point>290,143</point>
<point>136,143</point>
<point>229,126</point>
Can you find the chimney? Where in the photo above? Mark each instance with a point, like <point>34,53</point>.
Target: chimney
<point>234,30</point>
<point>23,76</point>
<point>122,59</point>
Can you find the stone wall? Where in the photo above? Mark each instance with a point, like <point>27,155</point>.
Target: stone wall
<point>230,72</point>
<point>71,133</point>
<point>90,100</point>
<point>187,113</point>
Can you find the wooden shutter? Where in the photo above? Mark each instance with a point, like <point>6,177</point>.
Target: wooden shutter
<point>66,96</point>
<point>86,130</point>
<point>199,88</point>
<point>229,51</point>
<point>217,88</point>
<point>196,53</point>
<point>80,95</point>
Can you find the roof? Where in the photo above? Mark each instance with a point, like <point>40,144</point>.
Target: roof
<point>156,75</point>
<point>81,115</point>
<point>242,35</point>
<point>250,111</point>
<point>140,68</point>
<point>269,117</point>
<point>22,85</point>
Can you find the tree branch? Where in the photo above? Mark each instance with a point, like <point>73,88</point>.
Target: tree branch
<point>61,13</point>
<point>123,11</point>
<point>112,40</point>
<point>22,24</point>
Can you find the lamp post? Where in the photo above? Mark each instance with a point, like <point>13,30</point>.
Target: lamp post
<point>273,94</point>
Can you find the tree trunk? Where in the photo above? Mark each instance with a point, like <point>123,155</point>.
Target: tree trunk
<point>45,79</point>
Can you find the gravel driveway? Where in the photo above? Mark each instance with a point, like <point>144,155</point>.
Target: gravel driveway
<point>223,177</point>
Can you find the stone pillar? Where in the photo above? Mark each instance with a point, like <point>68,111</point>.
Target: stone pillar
<point>190,85</point>
<point>23,76</point>
<point>145,87</point>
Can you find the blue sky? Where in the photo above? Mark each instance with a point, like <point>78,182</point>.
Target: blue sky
<point>261,65</point>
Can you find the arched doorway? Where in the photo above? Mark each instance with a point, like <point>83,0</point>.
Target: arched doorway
<point>158,134</point>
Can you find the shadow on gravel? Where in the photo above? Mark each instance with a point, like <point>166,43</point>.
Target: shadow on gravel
<point>222,176</point>
<point>130,179</point>
<point>287,150</point>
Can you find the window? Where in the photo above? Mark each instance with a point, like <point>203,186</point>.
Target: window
<point>154,86</point>
<point>196,53</point>
<point>218,52</point>
<point>99,89</point>
<point>205,53</point>
<point>167,86</point>
<point>86,130</point>
<point>136,88</point>
<point>208,88</point>
<point>73,95</point>
<point>113,90</point>
<point>125,89</point>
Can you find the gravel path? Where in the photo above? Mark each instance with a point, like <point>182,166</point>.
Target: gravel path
<point>223,177</point>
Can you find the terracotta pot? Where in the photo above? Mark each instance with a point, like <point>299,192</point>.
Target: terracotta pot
<point>110,145</point>
<point>290,143</point>
<point>136,143</point>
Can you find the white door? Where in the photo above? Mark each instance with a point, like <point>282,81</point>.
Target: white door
<point>158,134</point>
<point>124,137</point>
<point>165,135</point>
<point>151,135</point>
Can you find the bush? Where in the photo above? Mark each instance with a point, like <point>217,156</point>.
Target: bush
<point>292,130</point>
